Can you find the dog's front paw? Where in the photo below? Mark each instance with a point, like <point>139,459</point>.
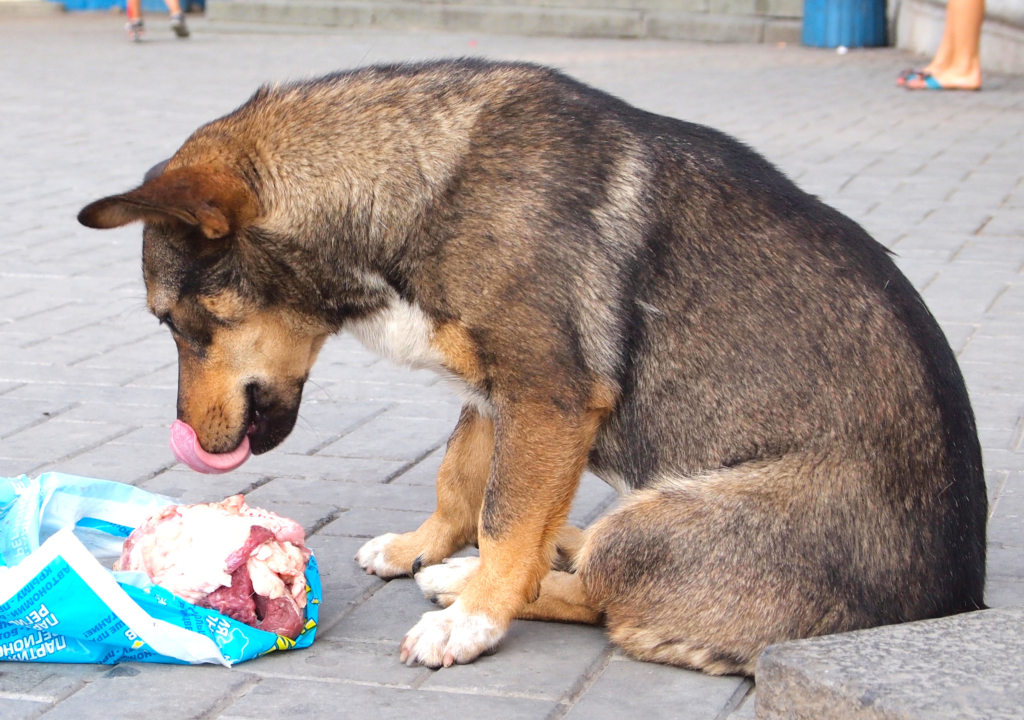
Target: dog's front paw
<point>373,558</point>
<point>443,583</point>
<point>450,636</point>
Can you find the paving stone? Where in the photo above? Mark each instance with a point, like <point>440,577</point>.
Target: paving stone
<point>191,487</point>
<point>371,522</point>
<point>55,439</point>
<point>342,661</point>
<point>1004,592</point>
<point>964,666</point>
<point>321,423</point>
<point>123,463</point>
<point>49,682</point>
<point>1006,524</point>
<point>391,438</point>
<point>424,472</point>
<point>539,660</point>
<point>273,698</point>
<point>21,709</point>
<point>628,688</point>
<point>386,616</point>
<point>345,584</point>
<point>141,690</point>
<point>279,464</point>
<point>593,498</point>
<point>348,494</point>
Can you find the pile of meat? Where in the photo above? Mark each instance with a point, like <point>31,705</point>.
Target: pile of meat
<point>246,563</point>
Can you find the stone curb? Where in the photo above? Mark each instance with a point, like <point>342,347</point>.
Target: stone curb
<point>965,666</point>
<point>613,22</point>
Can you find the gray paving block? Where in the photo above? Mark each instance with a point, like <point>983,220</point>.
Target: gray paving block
<point>391,438</point>
<point>274,698</point>
<point>1004,592</point>
<point>55,440</point>
<point>386,616</point>
<point>140,690</point>
<point>342,661</point>
<point>628,689</point>
<point>345,584</point>
<point>964,666</point>
<point>593,498</point>
<point>1005,561</point>
<point>280,464</point>
<point>321,423</point>
<point>746,710</point>
<point>122,463</point>
<point>539,660</point>
<point>371,522</point>
<point>192,487</point>
<point>21,709</point>
<point>1006,524</point>
<point>46,682</point>
<point>347,494</point>
<point>424,472</point>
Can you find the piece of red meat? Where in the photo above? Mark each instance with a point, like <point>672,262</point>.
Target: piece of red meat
<point>257,536</point>
<point>279,615</point>
<point>237,601</point>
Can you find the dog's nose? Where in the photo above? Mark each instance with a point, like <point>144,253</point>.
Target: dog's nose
<point>259,407</point>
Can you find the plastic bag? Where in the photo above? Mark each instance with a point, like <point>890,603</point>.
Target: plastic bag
<point>58,603</point>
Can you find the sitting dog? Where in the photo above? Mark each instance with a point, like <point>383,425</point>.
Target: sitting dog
<point>609,290</point>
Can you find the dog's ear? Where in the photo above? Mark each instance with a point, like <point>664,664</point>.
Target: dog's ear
<point>215,201</point>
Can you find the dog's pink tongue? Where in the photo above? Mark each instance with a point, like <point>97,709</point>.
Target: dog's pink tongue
<point>185,446</point>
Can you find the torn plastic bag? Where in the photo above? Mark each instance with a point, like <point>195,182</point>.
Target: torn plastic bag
<point>58,603</point>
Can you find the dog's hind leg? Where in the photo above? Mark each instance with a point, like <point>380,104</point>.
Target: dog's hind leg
<point>705,572</point>
<point>567,546</point>
<point>460,493</point>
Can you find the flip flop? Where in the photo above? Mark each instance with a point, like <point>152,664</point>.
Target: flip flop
<point>908,74</point>
<point>930,83</point>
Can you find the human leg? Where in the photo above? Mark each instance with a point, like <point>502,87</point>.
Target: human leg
<point>957,64</point>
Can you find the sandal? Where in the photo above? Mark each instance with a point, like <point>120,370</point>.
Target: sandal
<point>928,82</point>
<point>908,74</point>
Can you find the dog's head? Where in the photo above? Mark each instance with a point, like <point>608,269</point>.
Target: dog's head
<point>244,349</point>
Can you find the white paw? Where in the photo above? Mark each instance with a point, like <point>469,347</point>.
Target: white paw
<point>443,583</point>
<point>371,558</point>
<point>449,636</point>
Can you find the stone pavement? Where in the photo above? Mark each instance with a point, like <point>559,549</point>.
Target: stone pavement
<point>87,377</point>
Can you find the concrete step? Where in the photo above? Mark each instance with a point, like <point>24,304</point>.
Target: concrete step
<point>29,8</point>
<point>529,18</point>
<point>966,666</point>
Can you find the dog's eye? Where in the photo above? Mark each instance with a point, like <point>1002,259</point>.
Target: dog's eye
<point>166,320</point>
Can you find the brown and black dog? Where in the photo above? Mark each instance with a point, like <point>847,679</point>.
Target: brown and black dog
<point>609,289</point>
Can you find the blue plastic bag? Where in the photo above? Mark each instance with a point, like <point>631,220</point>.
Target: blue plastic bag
<point>59,604</point>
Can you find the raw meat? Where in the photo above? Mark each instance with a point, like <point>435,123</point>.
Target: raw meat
<point>246,563</point>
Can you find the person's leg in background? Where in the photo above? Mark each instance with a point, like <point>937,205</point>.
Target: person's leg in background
<point>135,27</point>
<point>957,64</point>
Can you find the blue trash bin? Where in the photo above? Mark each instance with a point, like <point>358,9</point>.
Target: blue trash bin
<point>853,23</point>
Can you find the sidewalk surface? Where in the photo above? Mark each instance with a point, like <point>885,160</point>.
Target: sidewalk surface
<point>87,377</point>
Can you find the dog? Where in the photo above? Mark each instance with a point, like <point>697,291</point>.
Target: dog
<point>608,289</point>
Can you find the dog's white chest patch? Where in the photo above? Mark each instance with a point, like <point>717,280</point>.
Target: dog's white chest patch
<point>401,332</point>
